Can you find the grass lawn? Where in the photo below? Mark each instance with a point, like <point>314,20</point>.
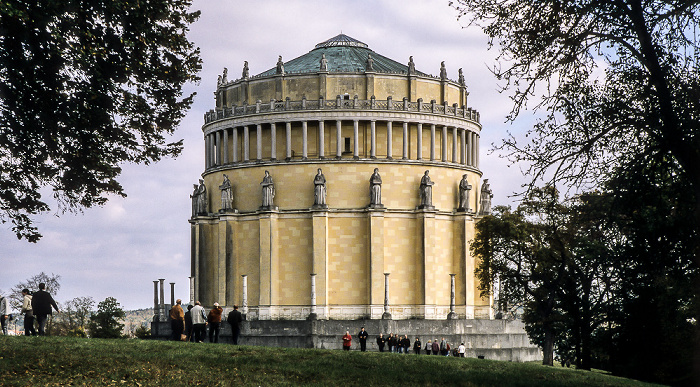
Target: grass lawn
<point>47,361</point>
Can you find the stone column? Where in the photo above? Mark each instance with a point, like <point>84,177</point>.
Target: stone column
<point>235,145</point>
<point>156,309</point>
<point>288,135</point>
<point>338,139</point>
<point>389,147</point>
<point>217,148</point>
<point>225,147</point>
<point>191,300</point>
<point>405,141</point>
<point>321,140</point>
<point>206,151</point>
<point>444,143</point>
<point>246,143</point>
<point>172,294</point>
<point>313,315</point>
<point>476,150</point>
<point>273,141</point>
<point>432,142</point>
<point>304,140</point>
<point>387,314</point>
<point>162,298</point>
<point>463,147</point>
<point>244,294</point>
<point>452,315</point>
<point>373,140</point>
<point>470,151</point>
<point>258,141</point>
<point>356,139</point>
<point>419,141</point>
<point>454,144</point>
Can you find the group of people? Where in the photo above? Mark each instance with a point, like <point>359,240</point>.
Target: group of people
<point>402,344</point>
<point>36,306</point>
<point>192,325</point>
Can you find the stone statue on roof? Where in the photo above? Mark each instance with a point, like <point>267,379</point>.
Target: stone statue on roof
<point>246,72</point>
<point>411,65</point>
<point>280,65</point>
<point>224,77</point>
<point>218,81</point>
<point>461,78</point>
<point>370,63</point>
<point>443,71</point>
<point>323,63</point>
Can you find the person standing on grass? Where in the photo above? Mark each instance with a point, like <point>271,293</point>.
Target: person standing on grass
<point>347,341</point>
<point>363,339</point>
<point>234,320</point>
<point>199,322</point>
<point>428,346</point>
<point>4,314</point>
<point>436,347</point>
<point>390,342</point>
<point>380,342</point>
<point>417,346</point>
<point>461,350</point>
<point>406,344</point>
<point>41,307</point>
<point>443,347</point>
<point>28,314</point>
<point>177,320</point>
<point>188,323</point>
<point>214,320</point>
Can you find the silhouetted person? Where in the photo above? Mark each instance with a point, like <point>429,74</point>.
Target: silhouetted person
<point>234,319</point>
<point>41,307</point>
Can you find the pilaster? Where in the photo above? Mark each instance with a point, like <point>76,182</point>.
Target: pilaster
<point>428,272</point>
<point>320,261</point>
<point>221,261</point>
<point>269,264</point>
<point>376,263</point>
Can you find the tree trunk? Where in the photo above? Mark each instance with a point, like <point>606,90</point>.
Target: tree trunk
<point>548,348</point>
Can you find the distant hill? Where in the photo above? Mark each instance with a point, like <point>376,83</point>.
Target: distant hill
<point>136,318</point>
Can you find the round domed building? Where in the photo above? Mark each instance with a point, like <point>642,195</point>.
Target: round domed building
<point>332,178</point>
<point>340,185</point>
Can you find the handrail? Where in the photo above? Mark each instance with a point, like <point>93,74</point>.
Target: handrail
<point>345,104</point>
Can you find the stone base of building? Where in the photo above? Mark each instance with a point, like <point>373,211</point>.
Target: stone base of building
<point>490,339</point>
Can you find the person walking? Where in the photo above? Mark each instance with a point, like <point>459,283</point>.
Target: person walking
<point>177,320</point>
<point>4,314</point>
<point>461,350</point>
<point>363,339</point>
<point>347,341</point>
<point>234,320</point>
<point>214,321</point>
<point>199,322</point>
<point>443,347</point>
<point>188,323</point>
<point>436,347</point>
<point>380,342</point>
<point>28,314</point>
<point>41,307</point>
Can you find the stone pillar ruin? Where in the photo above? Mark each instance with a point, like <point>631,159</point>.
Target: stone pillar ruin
<point>162,299</point>
<point>156,309</point>
<point>172,294</point>
<point>244,295</point>
<point>313,315</point>
<point>452,315</point>
<point>387,314</point>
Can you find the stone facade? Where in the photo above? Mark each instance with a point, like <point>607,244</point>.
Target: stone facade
<point>346,123</point>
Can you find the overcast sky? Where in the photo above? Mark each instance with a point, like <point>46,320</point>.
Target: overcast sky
<point>119,249</point>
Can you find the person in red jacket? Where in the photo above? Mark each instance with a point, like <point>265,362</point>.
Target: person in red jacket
<point>347,341</point>
<point>214,320</point>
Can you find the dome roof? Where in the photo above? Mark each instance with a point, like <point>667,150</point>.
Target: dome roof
<point>344,55</point>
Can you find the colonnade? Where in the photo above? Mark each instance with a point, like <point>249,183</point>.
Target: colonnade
<point>465,143</point>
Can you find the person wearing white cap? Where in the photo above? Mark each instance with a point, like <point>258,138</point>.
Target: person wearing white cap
<point>214,320</point>
<point>199,321</point>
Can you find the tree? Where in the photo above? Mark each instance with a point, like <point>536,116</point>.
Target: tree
<point>75,314</point>
<point>84,87</point>
<point>621,79</point>
<point>105,323</point>
<point>32,284</point>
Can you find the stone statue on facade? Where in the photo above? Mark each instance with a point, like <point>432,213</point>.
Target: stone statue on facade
<point>370,63</point>
<point>411,65</point>
<point>426,192</point>
<point>486,195</point>
<point>464,189</point>
<point>268,192</point>
<point>200,197</point>
<point>443,71</point>
<point>246,72</point>
<point>226,195</point>
<point>218,81</point>
<point>280,65</point>
<point>194,200</point>
<point>323,63</point>
<point>224,77</point>
<point>461,78</point>
<point>375,190</point>
<point>320,190</point>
